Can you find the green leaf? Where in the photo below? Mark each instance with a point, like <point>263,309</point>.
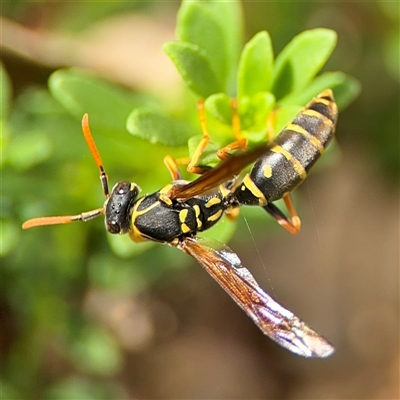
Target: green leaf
<point>28,149</point>
<point>253,111</point>
<point>219,106</point>
<point>230,17</point>
<point>255,66</point>
<point>301,60</point>
<point>197,25</point>
<point>5,92</point>
<point>345,88</point>
<point>283,116</point>
<point>347,91</point>
<point>108,106</point>
<point>217,28</point>
<point>157,127</point>
<point>194,67</point>
<point>36,102</point>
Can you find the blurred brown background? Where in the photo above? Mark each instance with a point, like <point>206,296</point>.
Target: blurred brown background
<point>181,337</point>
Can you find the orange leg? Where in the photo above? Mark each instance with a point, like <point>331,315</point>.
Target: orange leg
<point>293,224</point>
<point>236,120</point>
<point>236,145</point>
<point>270,125</point>
<point>172,166</point>
<point>232,213</point>
<point>240,142</point>
<point>192,168</point>
<point>197,169</point>
<point>295,219</point>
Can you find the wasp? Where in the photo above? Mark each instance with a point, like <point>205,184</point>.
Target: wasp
<point>178,211</point>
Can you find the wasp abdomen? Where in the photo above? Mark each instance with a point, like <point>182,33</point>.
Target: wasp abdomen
<point>293,152</point>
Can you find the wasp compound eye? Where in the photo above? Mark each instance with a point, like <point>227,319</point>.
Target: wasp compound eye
<point>117,209</point>
<point>113,226</point>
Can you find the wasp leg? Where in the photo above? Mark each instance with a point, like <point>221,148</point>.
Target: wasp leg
<point>232,213</point>
<point>295,219</point>
<point>172,166</point>
<point>292,225</point>
<point>241,141</point>
<point>236,145</point>
<point>271,125</point>
<point>192,167</point>
<point>198,169</point>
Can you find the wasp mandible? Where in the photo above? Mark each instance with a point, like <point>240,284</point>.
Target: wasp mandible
<point>178,211</point>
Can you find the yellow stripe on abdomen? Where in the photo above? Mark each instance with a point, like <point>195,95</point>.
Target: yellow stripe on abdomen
<point>313,140</point>
<point>298,167</point>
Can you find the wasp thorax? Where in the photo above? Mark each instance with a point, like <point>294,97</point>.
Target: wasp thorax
<point>118,205</point>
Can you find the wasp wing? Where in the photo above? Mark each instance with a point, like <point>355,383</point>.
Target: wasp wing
<point>280,324</point>
<point>224,171</point>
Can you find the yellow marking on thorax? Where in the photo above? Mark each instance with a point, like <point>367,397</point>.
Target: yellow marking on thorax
<point>212,202</point>
<point>134,232</point>
<point>182,218</point>
<point>166,188</point>
<point>250,185</point>
<point>267,171</point>
<point>298,167</point>
<point>313,140</point>
<point>135,213</point>
<point>136,236</point>
<point>185,228</point>
<point>182,215</point>
<point>215,216</point>
<point>224,190</point>
<point>196,209</point>
<point>164,194</point>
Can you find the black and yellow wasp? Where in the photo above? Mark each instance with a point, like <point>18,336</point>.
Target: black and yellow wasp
<point>181,209</point>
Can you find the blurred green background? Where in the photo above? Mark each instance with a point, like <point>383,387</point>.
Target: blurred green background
<point>89,316</point>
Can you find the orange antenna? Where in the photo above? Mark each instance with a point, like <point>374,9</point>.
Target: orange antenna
<point>95,153</point>
<point>85,216</point>
<point>41,221</point>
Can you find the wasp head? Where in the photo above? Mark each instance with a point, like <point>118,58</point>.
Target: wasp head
<point>118,206</point>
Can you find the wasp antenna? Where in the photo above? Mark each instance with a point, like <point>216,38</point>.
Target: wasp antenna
<point>66,219</point>
<point>95,153</point>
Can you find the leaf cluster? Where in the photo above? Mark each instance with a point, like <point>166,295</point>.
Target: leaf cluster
<point>210,58</point>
